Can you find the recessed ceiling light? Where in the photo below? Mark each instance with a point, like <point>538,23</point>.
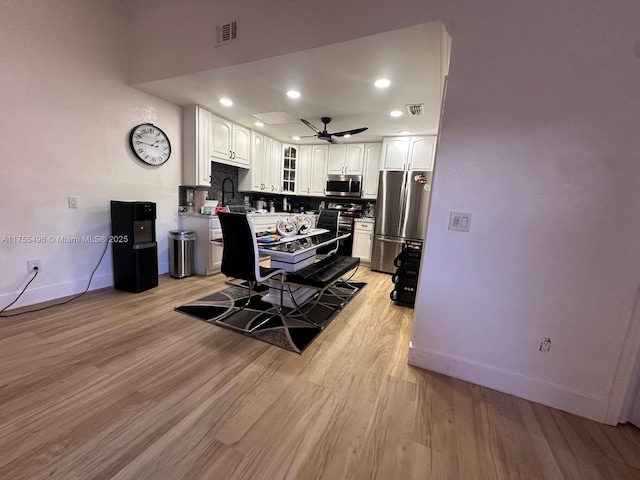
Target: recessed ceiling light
<point>382,83</point>
<point>346,136</point>
<point>396,113</point>
<point>226,102</point>
<point>296,138</point>
<point>403,132</point>
<point>293,94</point>
<point>258,124</point>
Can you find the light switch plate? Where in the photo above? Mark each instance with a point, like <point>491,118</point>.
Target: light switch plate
<point>459,221</point>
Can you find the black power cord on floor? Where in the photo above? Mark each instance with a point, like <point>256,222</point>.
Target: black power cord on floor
<point>55,304</point>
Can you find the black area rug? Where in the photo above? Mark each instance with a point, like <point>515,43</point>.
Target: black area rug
<point>285,331</point>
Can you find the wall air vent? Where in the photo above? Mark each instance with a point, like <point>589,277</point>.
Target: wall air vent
<point>226,33</point>
<point>415,109</point>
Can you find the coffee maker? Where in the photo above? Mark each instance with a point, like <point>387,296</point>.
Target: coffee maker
<point>286,205</point>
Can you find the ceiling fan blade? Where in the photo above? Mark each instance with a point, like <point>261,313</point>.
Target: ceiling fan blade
<point>331,140</point>
<point>310,125</point>
<point>350,132</point>
<point>308,136</point>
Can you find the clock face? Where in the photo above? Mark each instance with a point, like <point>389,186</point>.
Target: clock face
<point>150,144</point>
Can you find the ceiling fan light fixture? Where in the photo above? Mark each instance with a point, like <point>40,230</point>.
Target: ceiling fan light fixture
<point>404,132</point>
<point>226,102</point>
<point>258,124</point>
<point>347,135</point>
<point>295,138</point>
<point>382,83</point>
<point>293,94</point>
<point>395,113</point>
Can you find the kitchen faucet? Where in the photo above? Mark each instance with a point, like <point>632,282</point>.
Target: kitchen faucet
<point>232,192</point>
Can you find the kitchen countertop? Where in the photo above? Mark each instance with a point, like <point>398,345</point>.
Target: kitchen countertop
<point>252,214</point>
<point>365,219</point>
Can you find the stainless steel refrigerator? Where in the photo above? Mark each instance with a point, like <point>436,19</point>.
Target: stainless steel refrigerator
<point>402,210</point>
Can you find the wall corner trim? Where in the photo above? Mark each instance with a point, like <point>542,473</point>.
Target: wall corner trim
<point>529,388</point>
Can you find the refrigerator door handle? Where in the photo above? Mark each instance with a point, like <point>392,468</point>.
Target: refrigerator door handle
<point>389,240</point>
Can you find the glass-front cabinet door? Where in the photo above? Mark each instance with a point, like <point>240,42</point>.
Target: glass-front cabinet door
<point>289,164</point>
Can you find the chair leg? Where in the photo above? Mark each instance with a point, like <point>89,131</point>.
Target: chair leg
<point>299,309</point>
<point>347,291</point>
<point>246,304</point>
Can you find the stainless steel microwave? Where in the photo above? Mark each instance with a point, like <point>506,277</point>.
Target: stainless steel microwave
<point>344,185</point>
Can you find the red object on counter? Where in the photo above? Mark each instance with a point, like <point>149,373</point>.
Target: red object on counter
<point>220,209</point>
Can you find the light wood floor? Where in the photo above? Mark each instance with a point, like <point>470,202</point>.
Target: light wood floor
<point>118,385</point>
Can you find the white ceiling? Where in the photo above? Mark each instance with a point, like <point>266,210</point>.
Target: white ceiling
<point>335,81</point>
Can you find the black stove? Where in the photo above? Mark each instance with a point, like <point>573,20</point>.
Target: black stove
<point>348,213</point>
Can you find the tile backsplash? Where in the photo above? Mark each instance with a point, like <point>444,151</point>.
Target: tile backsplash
<point>219,172</point>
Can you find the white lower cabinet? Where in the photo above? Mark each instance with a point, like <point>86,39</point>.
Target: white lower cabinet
<point>207,257</point>
<point>362,239</point>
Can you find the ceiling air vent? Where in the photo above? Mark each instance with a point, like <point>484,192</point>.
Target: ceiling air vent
<point>226,33</point>
<point>415,109</point>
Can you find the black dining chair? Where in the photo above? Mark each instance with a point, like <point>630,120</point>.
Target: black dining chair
<point>328,219</point>
<point>241,260</point>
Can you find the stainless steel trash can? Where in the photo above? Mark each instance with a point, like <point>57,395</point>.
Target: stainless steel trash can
<point>181,253</point>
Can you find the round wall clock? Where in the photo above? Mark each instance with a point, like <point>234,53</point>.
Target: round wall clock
<point>150,144</point>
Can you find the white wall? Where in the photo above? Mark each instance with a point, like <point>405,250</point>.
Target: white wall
<point>65,115</point>
<point>539,142</point>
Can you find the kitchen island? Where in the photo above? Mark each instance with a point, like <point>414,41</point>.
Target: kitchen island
<point>208,253</point>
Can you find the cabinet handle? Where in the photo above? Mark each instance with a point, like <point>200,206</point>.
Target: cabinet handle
<point>234,155</point>
<point>229,153</point>
<point>307,189</point>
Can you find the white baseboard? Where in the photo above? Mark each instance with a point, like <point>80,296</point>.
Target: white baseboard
<point>533,389</point>
<point>46,293</point>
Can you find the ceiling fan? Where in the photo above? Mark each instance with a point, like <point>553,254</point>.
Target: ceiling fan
<point>324,135</point>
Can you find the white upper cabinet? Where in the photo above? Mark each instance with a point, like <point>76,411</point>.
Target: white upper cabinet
<point>422,153</point>
<point>346,159</point>
<point>408,153</point>
<point>196,161</point>
<point>319,158</point>
<point>370,176</point>
<point>265,174</point>
<point>303,169</point>
<point>395,153</point>
<point>271,167</point>
<point>230,143</point>
<point>240,146</point>
<point>291,169</point>
<point>276,166</point>
<point>221,131</point>
<point>312,169</point>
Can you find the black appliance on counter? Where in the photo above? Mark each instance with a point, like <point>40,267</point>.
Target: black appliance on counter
<point>135,250</point>
<point>348,213</point>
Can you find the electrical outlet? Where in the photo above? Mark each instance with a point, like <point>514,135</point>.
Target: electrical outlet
<point>73,202</point>
<point>545,345</point>
<point>33,264</point>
